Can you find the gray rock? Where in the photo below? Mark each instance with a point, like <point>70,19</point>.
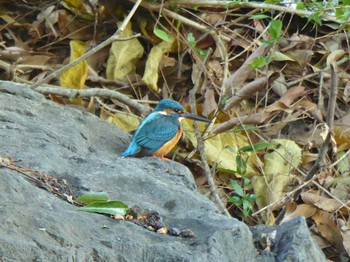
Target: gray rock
<point>69,144</point>
<point>291,241</point>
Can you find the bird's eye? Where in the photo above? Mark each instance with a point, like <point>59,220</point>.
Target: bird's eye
<point>177,110</point>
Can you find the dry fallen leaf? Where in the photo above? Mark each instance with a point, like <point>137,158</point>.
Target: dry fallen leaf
<point>328,229</point>
<point>124,121</point>
<point>323,203</point>
<point>345,232</point>
<point>293,210</point>
<point>278,166</point>
<point>221,149</point>
<point>75,76</point>
<point>150,77</point>
<point>123,55</point>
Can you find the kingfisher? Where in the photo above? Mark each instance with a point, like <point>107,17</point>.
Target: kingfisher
<point>160,131</point>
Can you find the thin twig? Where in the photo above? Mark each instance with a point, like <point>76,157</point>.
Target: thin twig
<point>184,20</point>
<point>92,51</point>
<point>207,171</point>
<point>200,147</point>
<point>255,5</point>
<point>100,92</point>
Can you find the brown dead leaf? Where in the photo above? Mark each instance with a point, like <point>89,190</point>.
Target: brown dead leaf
<point>236,80</point>
<point>285,102</point>
<point>302,57</point>
<point>209,104</point>
<point>215,72</point>
<point>293,131</point>
<point>327,228</point>
<point>323,203</point>
<point>341,132</point>
<point>48,18</point>
<point>279,85</point>
<point>292,93</point>
<point>298,41</point>
<point>293,210</point>
<point>214,18</point>
<point>346,92</point>
<point>345,232</point>
<point>335,56</point>
<point>250,89</point>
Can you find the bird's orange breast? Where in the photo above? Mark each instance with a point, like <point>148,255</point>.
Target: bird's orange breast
<point>166,148</point>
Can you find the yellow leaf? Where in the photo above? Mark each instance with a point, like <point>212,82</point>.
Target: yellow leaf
<point>278,56</point>
<point>146,25</point>
<point>124,121</point>
<point>123,55</point>
<point>75,76</point>
<point>277,172</point>
<point>284,158</point>
<point>150,77</point>
<point>221,149</point>
<point>79,8</point>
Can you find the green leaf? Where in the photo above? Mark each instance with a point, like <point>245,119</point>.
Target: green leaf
<point>246,181</point>
<point>300,6</point>
<point>201,52</point>
<point>178,24</point>
<point>275,2</point>
<point>255,147</point>
<point>275,29</point>
<point>237,187</point>
<point>235,200</point>
<point>260,61</point>
<point>314,17</point>
<point>344,164</point>
<point>241,165</point>
<point>161,34</point>
<point>342,14</point>
<point>251,198</point>
<point>191,40</point>
<point>247,205</point>
<point>109,207</point>
<point>246,213</point>
<point>259,16</point>
<point>90,197</point>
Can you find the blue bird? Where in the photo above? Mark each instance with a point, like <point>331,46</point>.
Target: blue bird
<point>160,131</point>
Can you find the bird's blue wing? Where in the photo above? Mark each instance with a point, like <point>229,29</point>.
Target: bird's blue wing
<point>154,131</point>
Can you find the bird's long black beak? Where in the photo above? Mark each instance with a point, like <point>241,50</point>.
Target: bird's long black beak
<point>195,117</point>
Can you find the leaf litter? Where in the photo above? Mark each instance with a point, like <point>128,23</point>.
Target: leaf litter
<point>270,69</point>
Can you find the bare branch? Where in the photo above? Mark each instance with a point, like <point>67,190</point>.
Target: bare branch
<point>254,5</point>
<point>100,92</point>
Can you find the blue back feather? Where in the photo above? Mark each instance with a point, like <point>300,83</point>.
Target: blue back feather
<point>155,130</point>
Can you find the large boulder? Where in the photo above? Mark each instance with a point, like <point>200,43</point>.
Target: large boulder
<point>76,146</point>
